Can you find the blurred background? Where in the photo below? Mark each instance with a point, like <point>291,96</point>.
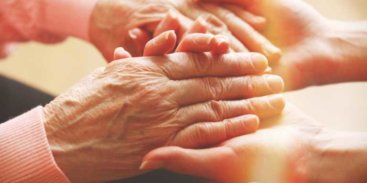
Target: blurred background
<point>54,68</point>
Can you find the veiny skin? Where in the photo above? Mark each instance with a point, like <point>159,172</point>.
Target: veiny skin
<point>101,128</point>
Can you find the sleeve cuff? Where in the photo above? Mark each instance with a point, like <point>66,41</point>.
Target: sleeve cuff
<point>25,155</point>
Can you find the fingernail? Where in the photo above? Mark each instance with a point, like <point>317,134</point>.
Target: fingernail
<point>169,33</point>
<point>275,83</point>
<point>252,122</point>
<point>276,101</point>
<point>274,53</point>
<point>150,165</point>
<point>259,62</point>
<point>133,33</point>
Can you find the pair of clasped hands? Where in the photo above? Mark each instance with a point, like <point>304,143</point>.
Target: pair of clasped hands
<point>194,111</point>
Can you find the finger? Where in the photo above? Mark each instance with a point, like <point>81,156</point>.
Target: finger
<point>187,66</point>
<point>120,53</point>
<point>174,21</point>
<point>257,22</point>
<point>139,39</point>
<point>198,42</point>
<point>263,107</point>
<point>236,45</point>
<point>204,89</point>
<point>162,44</point>
<point>214,163</point>
<point>216,27</point>
<point>206,134</point>
<point>170,22</point>
<point>247,4</point>
<point>199,26</point>
<point>250,37</point>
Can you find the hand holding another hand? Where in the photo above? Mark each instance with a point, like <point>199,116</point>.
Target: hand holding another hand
<point>101,128</point>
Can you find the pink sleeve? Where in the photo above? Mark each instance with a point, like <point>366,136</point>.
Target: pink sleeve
<point>25,155</point>
<point>20,21</point>
<point>47,21</point>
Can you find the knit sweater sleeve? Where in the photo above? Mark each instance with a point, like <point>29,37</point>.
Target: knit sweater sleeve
<point>25,155</point>
<point>20,21</point>
<point>47,21</point>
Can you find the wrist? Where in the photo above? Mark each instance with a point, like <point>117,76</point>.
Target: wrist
<point>52,123</point>
<point>347,42</point>
<point>335,156</point>
<point>68,18</point>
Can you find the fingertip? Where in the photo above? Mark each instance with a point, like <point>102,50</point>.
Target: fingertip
<point>277,101</point>
<point>259,61</point>
<point>220,44</point>
<point>170,22</point>
<point>120,53</point>
<point>251,122</point>
<point>162,44</point>
<point>150,165</point>
<point>170,36</point>
<point>273,53</point>
<point>275,83</point>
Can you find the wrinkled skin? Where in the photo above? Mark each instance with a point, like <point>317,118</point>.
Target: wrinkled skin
<point>277,153</point>
<point>108,31</point>
<point>101,128</point>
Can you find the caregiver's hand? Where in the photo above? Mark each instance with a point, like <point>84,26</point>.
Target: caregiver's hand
<point>316,50</point>
<point>101,128</point>
<point>295,150</point>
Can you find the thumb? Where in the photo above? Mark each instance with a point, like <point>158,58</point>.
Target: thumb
<point>120,53</point>
<point>214,163</point>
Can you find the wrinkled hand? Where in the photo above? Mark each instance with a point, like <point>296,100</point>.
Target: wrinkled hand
<point>312,47</point>
<point>101,128</point>
<point>276,154</point>
<point>131,24</point>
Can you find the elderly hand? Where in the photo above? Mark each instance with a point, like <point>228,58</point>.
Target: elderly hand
<point>101,128</point>
<point>130,24</point>
<point>286,152</point>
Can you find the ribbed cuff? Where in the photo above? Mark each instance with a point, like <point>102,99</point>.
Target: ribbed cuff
<point>25,155</point>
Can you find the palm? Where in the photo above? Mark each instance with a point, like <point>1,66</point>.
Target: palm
<point>269,155</point>
<point>240,156</point>
<point>296,27</point>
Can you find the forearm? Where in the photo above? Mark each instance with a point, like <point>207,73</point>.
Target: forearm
<point>338,157</point>
<point>68,17</point>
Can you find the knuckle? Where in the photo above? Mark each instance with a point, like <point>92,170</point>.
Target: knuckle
<point>228,128</point>
<point>253,106</point>
<point>217,109</point>
<point>250,85</point>
<point>200,64</point>
<point>215,86</point>
<point>201,132</point>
